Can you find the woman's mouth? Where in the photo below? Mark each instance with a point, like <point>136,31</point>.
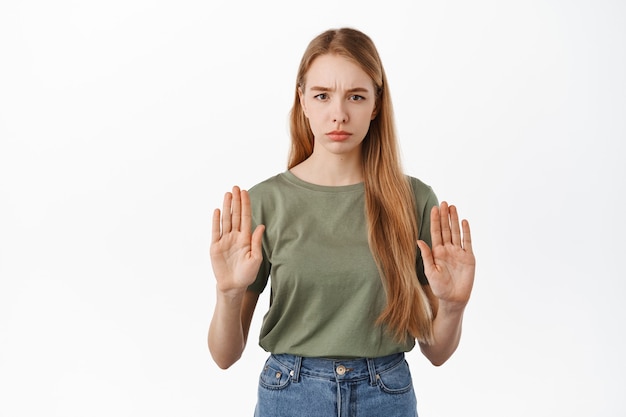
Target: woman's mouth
<point>338,135</point>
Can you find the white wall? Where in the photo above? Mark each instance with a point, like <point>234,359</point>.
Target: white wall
<point>122,124</point>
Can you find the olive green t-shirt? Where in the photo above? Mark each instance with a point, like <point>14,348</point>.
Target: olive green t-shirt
<point>326,292</point>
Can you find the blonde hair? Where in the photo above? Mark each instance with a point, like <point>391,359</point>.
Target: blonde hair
<point>390,206</point>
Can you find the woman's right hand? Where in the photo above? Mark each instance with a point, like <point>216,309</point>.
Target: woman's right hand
<point>236,252</point>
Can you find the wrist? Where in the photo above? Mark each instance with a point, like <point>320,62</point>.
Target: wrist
<point>451,307</point>
<point>230,294</point>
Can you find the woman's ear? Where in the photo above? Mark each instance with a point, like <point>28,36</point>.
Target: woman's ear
<point>375,111</point>
<point>301,98</point>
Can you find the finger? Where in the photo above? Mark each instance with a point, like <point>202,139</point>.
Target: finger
<point>246,212</point>
<point>455,229</point>
<point>427,255</point>
<point>236,207</point>
<point>215,229</point>
<point>444,217</point>
<point>435,227</point>
<point>467,237</point>
<point>226,213</point>
<point>257,242</point>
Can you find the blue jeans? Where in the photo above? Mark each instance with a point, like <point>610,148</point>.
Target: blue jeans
<point>293,386</point>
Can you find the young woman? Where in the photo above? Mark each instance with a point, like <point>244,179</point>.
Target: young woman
<point>338,233</point>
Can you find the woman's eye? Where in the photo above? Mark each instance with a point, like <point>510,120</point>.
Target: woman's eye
<point>321,96</point>
<point>356,97</point>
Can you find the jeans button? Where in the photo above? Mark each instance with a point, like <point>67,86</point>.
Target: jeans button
<point>341,370</point>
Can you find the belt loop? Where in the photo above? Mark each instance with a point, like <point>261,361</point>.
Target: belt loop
<point>371,367</point>
<point>297,364</point>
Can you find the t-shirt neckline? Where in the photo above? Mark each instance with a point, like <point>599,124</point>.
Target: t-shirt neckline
<point>290,177</point>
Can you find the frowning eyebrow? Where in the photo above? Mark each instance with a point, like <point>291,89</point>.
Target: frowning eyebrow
<point>351,90</point>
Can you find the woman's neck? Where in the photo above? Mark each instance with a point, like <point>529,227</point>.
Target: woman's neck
<point>330,170</point>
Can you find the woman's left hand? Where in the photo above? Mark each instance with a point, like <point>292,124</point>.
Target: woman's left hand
<point>450,264</point>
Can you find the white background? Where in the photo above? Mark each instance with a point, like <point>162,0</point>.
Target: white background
<point>122,123</point>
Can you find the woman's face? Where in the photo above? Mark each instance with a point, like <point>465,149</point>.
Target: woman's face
<point>339,99</point>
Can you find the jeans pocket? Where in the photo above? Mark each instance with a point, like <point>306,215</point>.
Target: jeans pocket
<point>395,380</point>
<point>275,375</point>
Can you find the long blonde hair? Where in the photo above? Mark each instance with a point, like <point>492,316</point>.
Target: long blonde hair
<point>390,206</point>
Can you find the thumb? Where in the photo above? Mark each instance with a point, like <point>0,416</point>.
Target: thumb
<point>427,255</point>
<point>257,241</point>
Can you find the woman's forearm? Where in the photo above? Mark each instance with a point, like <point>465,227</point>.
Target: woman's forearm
<point>447,333</point>
<point>226,336</point>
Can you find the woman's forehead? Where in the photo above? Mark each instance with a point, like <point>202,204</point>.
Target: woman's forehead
<point>332,71</point>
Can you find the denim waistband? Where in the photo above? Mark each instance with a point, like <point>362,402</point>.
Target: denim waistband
<point>339,369</point>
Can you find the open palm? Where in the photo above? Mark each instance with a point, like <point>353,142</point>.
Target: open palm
<point>236,252</point>
<point>450,264</point>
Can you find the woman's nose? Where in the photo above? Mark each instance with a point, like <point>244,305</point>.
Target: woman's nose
<point>339,113</point>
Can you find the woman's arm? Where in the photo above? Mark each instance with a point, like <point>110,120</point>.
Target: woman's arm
<point>228,332</point>
<point>236,256</point>
<point>447,333</point>
<point>449,266</point>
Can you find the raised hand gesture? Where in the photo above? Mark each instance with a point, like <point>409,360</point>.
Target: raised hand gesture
<point>450,265</point>
<point>236,252</point>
